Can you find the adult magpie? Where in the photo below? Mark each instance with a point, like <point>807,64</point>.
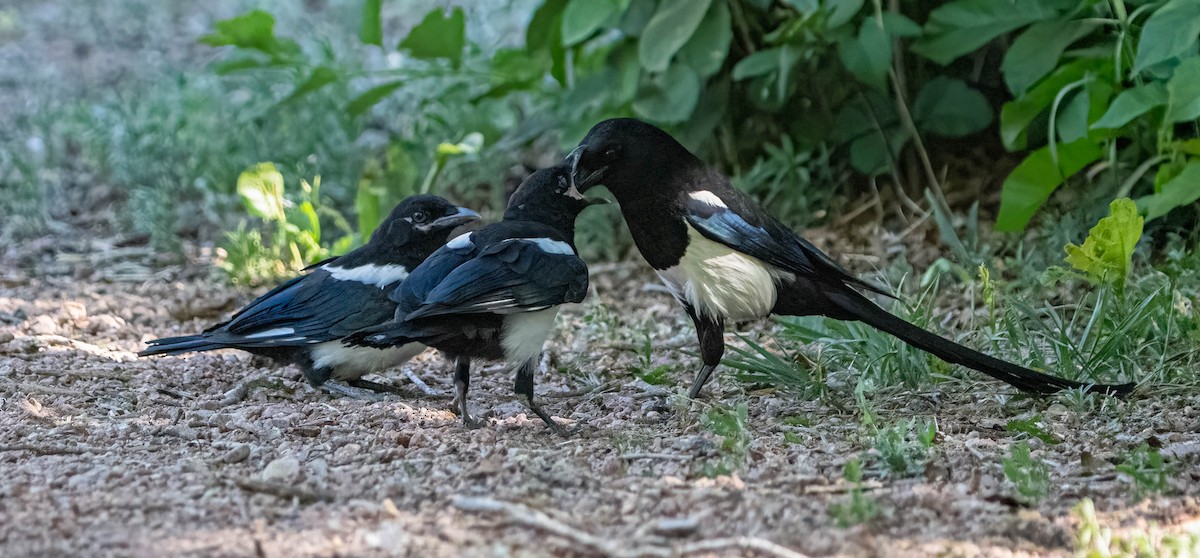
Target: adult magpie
<point>303,320</point>
<point>494,292</point>
<point>726,259</point>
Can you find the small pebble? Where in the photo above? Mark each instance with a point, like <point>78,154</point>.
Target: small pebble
<point>236,455</point>
<point>282,469</point>
<point>676,527</point>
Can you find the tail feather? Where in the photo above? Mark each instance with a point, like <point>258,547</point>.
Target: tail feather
<point>1019,377</point>
<point>179,345</point>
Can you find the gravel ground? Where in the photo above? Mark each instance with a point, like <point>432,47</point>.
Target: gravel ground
<point>220,454</point>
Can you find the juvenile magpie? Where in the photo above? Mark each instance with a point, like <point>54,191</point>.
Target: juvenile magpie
<point>302,320</point>
<point>494,292</point>
<point>726,259</point>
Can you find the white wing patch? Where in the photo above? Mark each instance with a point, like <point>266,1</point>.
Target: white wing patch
<point>709,198</point>
<point>459,242</point>
<point>276,332</point>
<point>351,363</point>
<point>719,281</point>
<point>553,246</point>
<point>370,274</point>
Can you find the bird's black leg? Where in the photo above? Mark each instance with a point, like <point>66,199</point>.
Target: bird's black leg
<point>711,334</point>
<point>524,389</point>
<point>462,383</point>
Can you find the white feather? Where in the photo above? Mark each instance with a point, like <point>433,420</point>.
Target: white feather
<point>553,246</point>
<point>525,333</point>
<point>706,197</point>
<point>719,281</point>
<point>459,242</point>
<point>275,332</point>
<point>350,363</point>
<point>370,274</point>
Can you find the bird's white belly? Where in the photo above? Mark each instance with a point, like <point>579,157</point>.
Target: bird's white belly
<point>525,333</point>
<point>350,363</point>
<point>718,281</point>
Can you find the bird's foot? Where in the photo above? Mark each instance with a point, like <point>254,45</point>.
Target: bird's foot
<point>552,424</point>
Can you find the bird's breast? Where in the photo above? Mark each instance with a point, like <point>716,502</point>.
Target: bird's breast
<point>721,282</point>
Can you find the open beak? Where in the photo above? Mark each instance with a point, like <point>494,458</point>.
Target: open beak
<point>462,217</point>
<point>581,181</point>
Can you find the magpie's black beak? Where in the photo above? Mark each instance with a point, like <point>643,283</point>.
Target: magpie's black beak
<point>581,178</point>
<point>462,217</point>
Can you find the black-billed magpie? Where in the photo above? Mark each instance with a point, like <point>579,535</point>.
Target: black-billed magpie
<point>494,292</point>
<point>303,320</point>
<point>726,259</point>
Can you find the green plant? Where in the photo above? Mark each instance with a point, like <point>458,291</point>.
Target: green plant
<point>730,424</point>
<point>1093,540</point>
<point>1032,427</point>
<point>1107,254</point>
<point>1127,96</point>
<point>793,371</point>
<point>1030,475</point>
<point>860,508</point>
<point>1145,467</point>
<point>296,235</point>
<point>904,447</point>
<point>646,370</point>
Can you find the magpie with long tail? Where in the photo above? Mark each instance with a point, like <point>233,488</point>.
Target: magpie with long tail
<point>726,259</point>
<point>303,320</point>
<point>494,292</point>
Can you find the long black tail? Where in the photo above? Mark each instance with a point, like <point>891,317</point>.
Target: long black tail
<point>182,344</point>
<point>1020,377</point>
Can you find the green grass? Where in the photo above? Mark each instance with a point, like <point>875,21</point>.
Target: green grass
<point>1095,540</point>
<point>1031,476</point>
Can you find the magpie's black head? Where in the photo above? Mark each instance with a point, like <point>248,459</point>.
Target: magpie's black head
<point>548,197</point>
<point>632,158</point>
<point>417,227</point>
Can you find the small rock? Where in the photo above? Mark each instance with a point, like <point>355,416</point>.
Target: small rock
<point>238,454</point>
<point>43,325</point>
<point>676,527</point>
<point>346,452</point>
<point>318,468</point>
<point>104,322</point>
<point>74,310</point>
<point>5,336</point>
<point>282,469</point>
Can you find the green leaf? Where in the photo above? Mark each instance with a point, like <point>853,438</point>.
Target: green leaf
<point>757,64</point>
<point>636,17</point>
<point>868,55</point>
<point>1107,253</point>
<point>371,30</point>
<point>320,77</point>
<point>1132,103</point>
<point>372,97</point>
<point>1168,32</point>
<point>545,25</point>
<point>438,36</point>
<point>1016,115</point>
<point>1182,190</point>
<point>581,18</point>
<point>1030,184</point>
<point>950,108</point>
<point>963,26</point>
<point>252,30</point>
<point>366,204</point>
<point>897,25</point>
<point>1085,106</point>
<point>669,97</point>
<point>673,24</point>
<point>841,11</point>
<point>1183,92</point>
<point>261,190</point>
<point>1035,52</point>
<point>705,52</point>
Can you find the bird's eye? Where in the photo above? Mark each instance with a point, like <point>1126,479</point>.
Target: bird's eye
<point>610,153</point>
<point>420,217</point>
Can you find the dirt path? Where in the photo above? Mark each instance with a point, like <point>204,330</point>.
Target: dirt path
<point>221,455</point>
